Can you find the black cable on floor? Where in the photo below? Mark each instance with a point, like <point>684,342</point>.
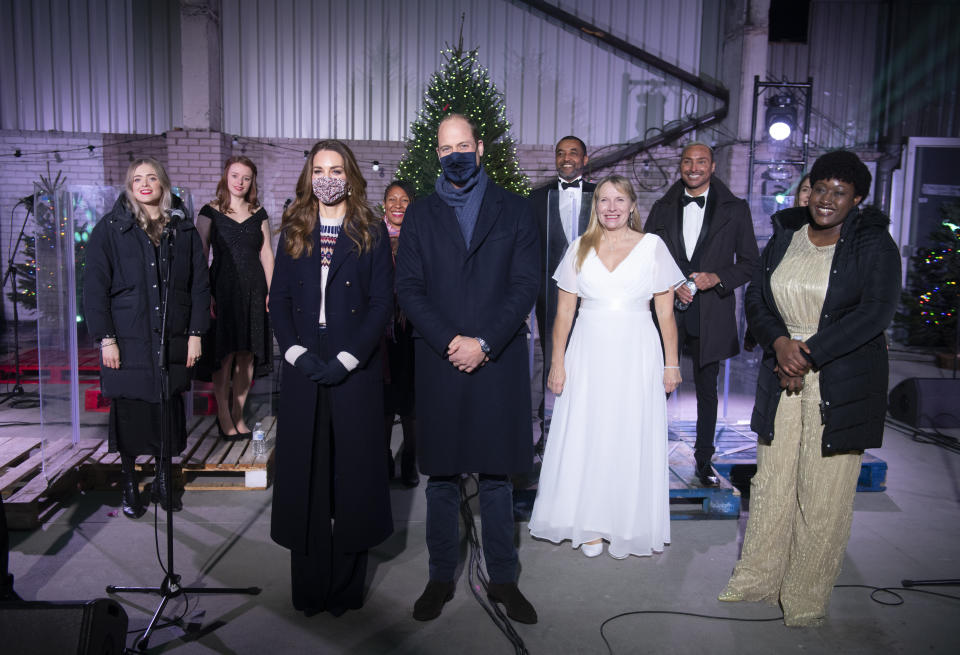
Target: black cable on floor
<point>874,596</point>
<point>892,591</point>
<point>475,569</point>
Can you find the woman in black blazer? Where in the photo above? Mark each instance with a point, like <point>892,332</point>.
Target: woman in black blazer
<point>827,288</point>
<point>330,300</point>
<point>123,286</point>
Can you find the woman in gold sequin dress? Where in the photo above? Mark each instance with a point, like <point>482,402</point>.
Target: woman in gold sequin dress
<point>826,290</point>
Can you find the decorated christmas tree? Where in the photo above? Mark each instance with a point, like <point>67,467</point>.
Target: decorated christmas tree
<point>26,292</point>
<point>929,312</point>
<point>462,86</point>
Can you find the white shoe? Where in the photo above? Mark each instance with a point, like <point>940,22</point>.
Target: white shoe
<point>592,550</point>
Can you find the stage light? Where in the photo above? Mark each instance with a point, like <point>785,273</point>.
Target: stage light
<point>781,116</point>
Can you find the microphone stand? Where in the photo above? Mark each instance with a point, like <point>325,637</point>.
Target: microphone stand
<point>11,274</point>
<point>170,587</point>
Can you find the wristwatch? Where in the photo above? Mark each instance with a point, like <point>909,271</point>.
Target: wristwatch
<point>484,346</point>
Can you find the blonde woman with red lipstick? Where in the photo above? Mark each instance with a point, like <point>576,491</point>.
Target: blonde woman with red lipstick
<point>238,231</point>
<point>123,287</point>
<point>604,475</point>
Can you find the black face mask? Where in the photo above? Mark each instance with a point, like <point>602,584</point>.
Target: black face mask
<point>459,167</point>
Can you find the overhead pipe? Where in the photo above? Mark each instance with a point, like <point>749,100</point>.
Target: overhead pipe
<point>592,33</point>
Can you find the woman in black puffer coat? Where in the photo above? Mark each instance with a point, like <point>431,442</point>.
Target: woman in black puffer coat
<point>826,290</point>
<point>123,287</point>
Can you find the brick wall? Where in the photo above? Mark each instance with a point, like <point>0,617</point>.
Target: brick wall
<point>194,159</point>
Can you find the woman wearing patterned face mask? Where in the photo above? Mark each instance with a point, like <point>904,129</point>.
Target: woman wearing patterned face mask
<point>330,300</point>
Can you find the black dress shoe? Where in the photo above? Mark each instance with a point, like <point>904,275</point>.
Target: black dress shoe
<point>432,600</point>
<point>707,477</point>
<point>518,608</point>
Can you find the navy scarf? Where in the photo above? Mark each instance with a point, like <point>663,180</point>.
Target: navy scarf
<point>464,201</point>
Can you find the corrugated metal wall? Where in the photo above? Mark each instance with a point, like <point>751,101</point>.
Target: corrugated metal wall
<point>89,65</point>
<point>297,68</point>
<point>924,71</point>
<point>841,56</point>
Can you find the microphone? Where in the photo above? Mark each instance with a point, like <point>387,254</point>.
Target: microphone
<point>176,215</point>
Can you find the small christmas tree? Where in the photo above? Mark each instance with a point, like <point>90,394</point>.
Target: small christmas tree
<point>930,300</point>
<point>26,291</point>
<point>462,86</point>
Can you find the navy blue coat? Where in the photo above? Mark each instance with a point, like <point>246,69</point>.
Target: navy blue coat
<point>480,421</point>
<point>121,297</point>
<point>849,348</point>
<point>359,302</point>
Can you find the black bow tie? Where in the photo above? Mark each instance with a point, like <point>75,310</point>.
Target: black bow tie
<point>686,200</point>
<point>567,185</point>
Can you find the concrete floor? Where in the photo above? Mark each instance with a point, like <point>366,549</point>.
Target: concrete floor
<point>222,539</point>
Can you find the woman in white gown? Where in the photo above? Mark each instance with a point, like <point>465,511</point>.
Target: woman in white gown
<point>604,474</point>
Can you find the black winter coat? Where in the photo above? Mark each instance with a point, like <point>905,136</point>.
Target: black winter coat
<point>849,348</point>
<point>122,298</point>
<point>475,422</point>
<point>359,302</point>
<point>727,247</point>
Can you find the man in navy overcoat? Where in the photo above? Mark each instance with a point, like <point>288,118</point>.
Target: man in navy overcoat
<point>467,277</point>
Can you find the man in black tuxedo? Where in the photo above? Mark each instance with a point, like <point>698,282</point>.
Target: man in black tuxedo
<point>562,208</point>
<point>710,234</point>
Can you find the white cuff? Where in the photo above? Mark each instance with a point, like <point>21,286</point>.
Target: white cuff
<point>349,361</point>
<point>292,353</point>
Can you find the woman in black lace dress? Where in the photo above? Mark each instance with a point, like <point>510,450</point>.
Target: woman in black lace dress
<point>238,231</point>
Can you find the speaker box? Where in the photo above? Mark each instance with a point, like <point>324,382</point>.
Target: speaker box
<point>926,402</point>
<point>96,627</point>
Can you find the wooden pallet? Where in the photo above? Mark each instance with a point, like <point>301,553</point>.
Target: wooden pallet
<point>736,454</point>
<point>208,462</point>
<point>31,491</point>
<point>688,499</point>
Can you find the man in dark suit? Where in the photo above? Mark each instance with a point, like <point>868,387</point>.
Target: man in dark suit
<point>467,275</point>
<point>562,208</point>
<point>709,232</point>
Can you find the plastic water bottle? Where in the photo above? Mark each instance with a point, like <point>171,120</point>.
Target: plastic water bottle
<point>259,444</point>
<point>690,284</point>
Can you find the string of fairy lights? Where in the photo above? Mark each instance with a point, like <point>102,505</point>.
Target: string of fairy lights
<point>937,259</point>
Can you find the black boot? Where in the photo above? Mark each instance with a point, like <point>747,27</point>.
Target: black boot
<point>130,488</point>
<point>160,484</point>
<point>408,453</point>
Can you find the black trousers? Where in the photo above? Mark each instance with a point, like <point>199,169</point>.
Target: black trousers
<point>705,381</point>
<point>497,526</point>
<point>325,577</point>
